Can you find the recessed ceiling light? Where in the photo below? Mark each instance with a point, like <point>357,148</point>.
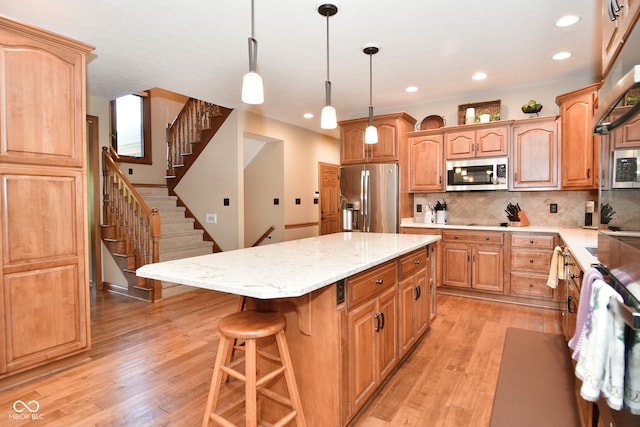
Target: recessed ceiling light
<point>567,20</point>
<point>308,116</point>
<point>561,55</point>
<point>411,89</point>
<point>479,76</point>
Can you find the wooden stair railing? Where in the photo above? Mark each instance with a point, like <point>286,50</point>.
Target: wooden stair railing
<point>264,236</point>
<point>136,225</point>
<point>189,134</point>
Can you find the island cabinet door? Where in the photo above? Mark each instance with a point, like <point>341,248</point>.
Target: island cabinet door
<point>372,347</point>
<point>362,324</point>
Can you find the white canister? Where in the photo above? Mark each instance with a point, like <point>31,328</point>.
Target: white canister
<point>428,217</point>
<point>441,217</point>
<point>485,118</point>
<point>471,112</point>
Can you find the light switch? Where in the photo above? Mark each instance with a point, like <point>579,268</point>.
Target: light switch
<point>212,218</point>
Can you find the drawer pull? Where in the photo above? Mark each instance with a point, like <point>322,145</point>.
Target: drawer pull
<point>530,261</point>
<point>379,282</point>
<point>486,238</point>
<point>531,241</point>
<point>531,285</point>
<point>571,304</point>
<point>416,262</point>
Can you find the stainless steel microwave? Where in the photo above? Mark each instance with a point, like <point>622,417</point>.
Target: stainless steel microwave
<point>477,174</point>
<point>626,169</point>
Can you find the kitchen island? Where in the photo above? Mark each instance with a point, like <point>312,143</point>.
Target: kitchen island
<point>355,303</point>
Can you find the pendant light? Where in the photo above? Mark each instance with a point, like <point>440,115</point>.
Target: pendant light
<point>252,90</point>
<point>328,118</point>
<point>371,133</point>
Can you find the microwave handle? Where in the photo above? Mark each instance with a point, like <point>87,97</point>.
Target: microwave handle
<point>604,128</point>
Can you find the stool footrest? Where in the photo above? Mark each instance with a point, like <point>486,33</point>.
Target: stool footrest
<point>283,400</point>
<point>271,375</point>
<point>233,373</point>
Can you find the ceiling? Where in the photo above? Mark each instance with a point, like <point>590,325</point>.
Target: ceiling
<point>199,48</point>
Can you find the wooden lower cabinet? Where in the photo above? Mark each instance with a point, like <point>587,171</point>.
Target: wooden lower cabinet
<point>530,260</point>
<point>467,263</point>
<point>415,298</point>
<point>372,346</point>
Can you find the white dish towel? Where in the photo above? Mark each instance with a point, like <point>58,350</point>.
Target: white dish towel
<point>601,364</point>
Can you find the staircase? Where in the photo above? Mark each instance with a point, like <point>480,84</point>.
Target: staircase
<point>178,237</point>
<point>147,223</point>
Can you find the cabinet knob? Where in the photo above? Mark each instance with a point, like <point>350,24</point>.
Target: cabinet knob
<point>531,241</point>
<point>416,262</point>
<point>379,282</point>
<point>531,285</point>
<point>486,238</point>
<point>530,261</point>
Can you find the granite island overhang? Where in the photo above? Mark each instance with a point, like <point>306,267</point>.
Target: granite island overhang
<point>356,305</point>
<point>287,269</point>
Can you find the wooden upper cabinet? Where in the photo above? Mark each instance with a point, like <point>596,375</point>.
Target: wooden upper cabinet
<point>43,87</point>
<point>580,148</point>
<point>534,154</point>
<point>628,135</point>
<point>392,131</point>
<point>482,141</point>
<point>614,32</point>
<point>426,162</point>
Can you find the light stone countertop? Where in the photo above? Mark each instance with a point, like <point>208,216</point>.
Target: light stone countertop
<point>287,269</point>
<point>576,239</point>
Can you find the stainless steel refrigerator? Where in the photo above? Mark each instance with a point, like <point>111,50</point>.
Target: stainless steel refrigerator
<point>369,195</point>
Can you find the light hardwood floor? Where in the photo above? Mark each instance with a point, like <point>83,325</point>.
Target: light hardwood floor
<point>152,363</point>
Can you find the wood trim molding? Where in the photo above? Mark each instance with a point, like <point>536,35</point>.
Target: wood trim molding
<point>302,225</point>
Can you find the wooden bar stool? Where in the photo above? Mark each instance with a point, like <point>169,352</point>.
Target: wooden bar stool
<point>250,326</point>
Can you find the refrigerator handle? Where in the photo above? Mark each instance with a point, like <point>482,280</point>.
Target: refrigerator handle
<point>362,201</point>
<point>365,209</point>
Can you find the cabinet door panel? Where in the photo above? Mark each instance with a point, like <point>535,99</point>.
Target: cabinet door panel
<point>426,169</point>
<point>387,147</point>
<point>388,335</point>
<point>455,271</point>
<point>459,145</point>
<point>422,311</point>
<point>352,147</point>
<point>362,354</point>
<point>407,296</point>
<point>45,320</point>
<point>488,264</point>
<point>492,142</point>
<point>535,161</point>
<point>40,103</point>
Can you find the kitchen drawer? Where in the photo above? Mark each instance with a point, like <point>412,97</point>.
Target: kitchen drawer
<point>531,261</point>
<point>413,262</point>
<point>476,237</point>
<point>530,285</point>
<point>536,241</point>
<point>363,286</point>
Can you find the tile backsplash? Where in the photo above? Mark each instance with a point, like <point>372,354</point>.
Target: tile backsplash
<point>488,207</point>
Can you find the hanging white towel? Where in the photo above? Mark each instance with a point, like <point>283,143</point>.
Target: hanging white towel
<point>632,380</point>
<point>575,343</point>
<point>556,269</point>
<point>601,364</point>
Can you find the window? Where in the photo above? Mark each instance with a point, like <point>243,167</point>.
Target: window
<point>131,127</point>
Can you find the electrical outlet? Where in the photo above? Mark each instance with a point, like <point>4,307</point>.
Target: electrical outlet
<point>553,208</point>
<point>211,218</point>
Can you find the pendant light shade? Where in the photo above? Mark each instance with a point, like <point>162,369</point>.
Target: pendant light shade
<point>371,132</point>
<point>328,119</point>
<point>252,89</point>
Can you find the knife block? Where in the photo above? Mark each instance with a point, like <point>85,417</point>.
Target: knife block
<point>524,221</point>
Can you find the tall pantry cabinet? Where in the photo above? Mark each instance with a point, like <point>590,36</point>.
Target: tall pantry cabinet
<point>44,280</point>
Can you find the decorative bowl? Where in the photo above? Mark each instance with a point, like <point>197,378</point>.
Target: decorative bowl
<point>531,108</point>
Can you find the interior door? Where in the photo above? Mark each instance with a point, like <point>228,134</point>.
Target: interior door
<point>329,197</point>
